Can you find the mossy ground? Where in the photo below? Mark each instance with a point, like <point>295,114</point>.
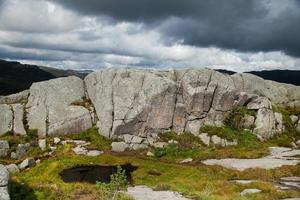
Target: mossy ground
<point>194,180</point>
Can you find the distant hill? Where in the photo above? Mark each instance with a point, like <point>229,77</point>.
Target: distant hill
<point>16,77</point>
<point>282,76</point>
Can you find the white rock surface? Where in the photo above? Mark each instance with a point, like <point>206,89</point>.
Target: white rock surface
<point>205,138</point>
<point>12,168</point>
<point>93,153</point>
<point>42,144</point>
<point>250,191</point>
<point>49,107</point>
<point>119,146</point>
<point>4,148</point>
<point>18,126</point>
<point>6,119</point>
<point>146,193</point>
<point>278,158</point>
<point>27,163</point>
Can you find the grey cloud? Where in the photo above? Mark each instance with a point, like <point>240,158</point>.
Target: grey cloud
<point>232,24</point>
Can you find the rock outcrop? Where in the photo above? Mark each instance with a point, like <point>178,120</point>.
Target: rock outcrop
<point>143,102</point>
<point>50,108</point>
<point>4,179</point>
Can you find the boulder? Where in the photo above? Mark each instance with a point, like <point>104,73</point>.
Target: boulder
<point>119,146</point>
<point>250,191</point>
<point>4,148</point>
<point>294,119</point>
<point>205,138</point>
<point>136,140</point>
<point>18,111</point>
<point>4,176</point>
<point>216,140</point>
<point>79,150</point>
<point>279,122</point>
<point>265,123</point>
<point>249,121</point>
<point>56,140</point>
<point>12,168</point>
<point>27,163</point>
<point>4,195</point>
<point>6,119</point>
<point>50,108</point>
<point>15,98</point>
<point>259,103</point>
<point>42,144</point>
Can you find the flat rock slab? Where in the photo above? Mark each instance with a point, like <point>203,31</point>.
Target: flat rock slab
<point>146,193</point>
<point>242,164</point>
<point>279,156</point>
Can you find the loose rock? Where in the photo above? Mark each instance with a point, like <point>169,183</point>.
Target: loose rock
<point>250,191</point>
<point>27,163</point>
<point>119,146</point>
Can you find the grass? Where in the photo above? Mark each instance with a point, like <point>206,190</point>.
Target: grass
<point>91,135</point>
<point>198,182</point>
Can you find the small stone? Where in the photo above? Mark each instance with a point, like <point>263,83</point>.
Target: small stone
<point>186,160</point>
<point>38,161</point>
<point>294,119</point>
<point>172,142</point>
<point>94,153</point>
<point>128,138</point>
<point>138,146</point>
<point>216,140</point>
<point>244,182</point>
<point>42,144</point>
<point>13,155</point>
<point>27,163</point>
<point>159,144</point>
<point>21,150</point>
<point>12,168</point>
<point>136,140</point>
<point>294,145</point>
<point>4,148</point>
<point>79,150</point>
<point>150,154</point>
<point>298,143</point>
<point>250,191</point>
<point>119,146</point>
<point>53,148</point>
<point>56,140</point>
<point>204,137</point>
<point>4,176</point>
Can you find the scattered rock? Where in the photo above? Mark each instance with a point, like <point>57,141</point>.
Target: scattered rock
<point>42,144</point>
<point>244,182</point>
<point>172,142</point>
<point>79,150</point>
<point>4,148</point>
<point>160,144</point>
<point>150,154</point>
<point>4,195</point>
<point>27,163</point>
<point>294,119</point>
<point>138,146</point>
<point>56,140</point>
<point>204,137</point>
<point>4,176</point>
<point>298,143</point>
<point>119,146</point>
<point>186,160</point>
<point>12,168</point>
<point>250,191</point>
<point>146,193</point>
<point>53,148</point>
<point>216,140</point>
<point>94,153</point>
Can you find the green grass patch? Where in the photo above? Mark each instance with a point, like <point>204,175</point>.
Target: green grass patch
<point>91,135</point>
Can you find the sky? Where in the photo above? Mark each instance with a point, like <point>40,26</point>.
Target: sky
<point>238,35</point>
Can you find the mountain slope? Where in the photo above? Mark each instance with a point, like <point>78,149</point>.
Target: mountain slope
<point>16,77</point>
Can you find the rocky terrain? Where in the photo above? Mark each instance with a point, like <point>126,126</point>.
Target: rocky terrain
<point>194,116</point>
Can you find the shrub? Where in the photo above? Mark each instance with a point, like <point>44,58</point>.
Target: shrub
<point>236,117</point>
<point>160,152</point>
<point>223,132</point>
<point>118,182</point>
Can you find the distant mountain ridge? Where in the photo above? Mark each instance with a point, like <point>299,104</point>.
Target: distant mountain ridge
<point>281,76</point>
<point>16,77</point>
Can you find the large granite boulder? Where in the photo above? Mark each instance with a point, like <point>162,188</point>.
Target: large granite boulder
<point>6,118</point>
<point>18,125</point>
<point>138,102</point>
<point>4,179</point>
<point>50,108</point>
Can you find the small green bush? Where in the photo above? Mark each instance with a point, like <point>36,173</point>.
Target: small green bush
<point>118,182</point>
<point>223,132</point>
<point>236,117</point>
<point>160,152</point>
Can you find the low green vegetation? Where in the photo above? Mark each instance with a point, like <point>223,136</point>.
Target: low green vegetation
<point>91,135</point>
<point>235,118</point>
<point>198,182</point>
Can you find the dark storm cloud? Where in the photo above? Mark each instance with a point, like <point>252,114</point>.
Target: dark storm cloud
<point>251,25</point>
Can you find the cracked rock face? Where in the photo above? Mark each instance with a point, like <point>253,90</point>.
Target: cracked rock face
<point>50,108</point>
<point>139,102</point>
<point>6,118</point>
